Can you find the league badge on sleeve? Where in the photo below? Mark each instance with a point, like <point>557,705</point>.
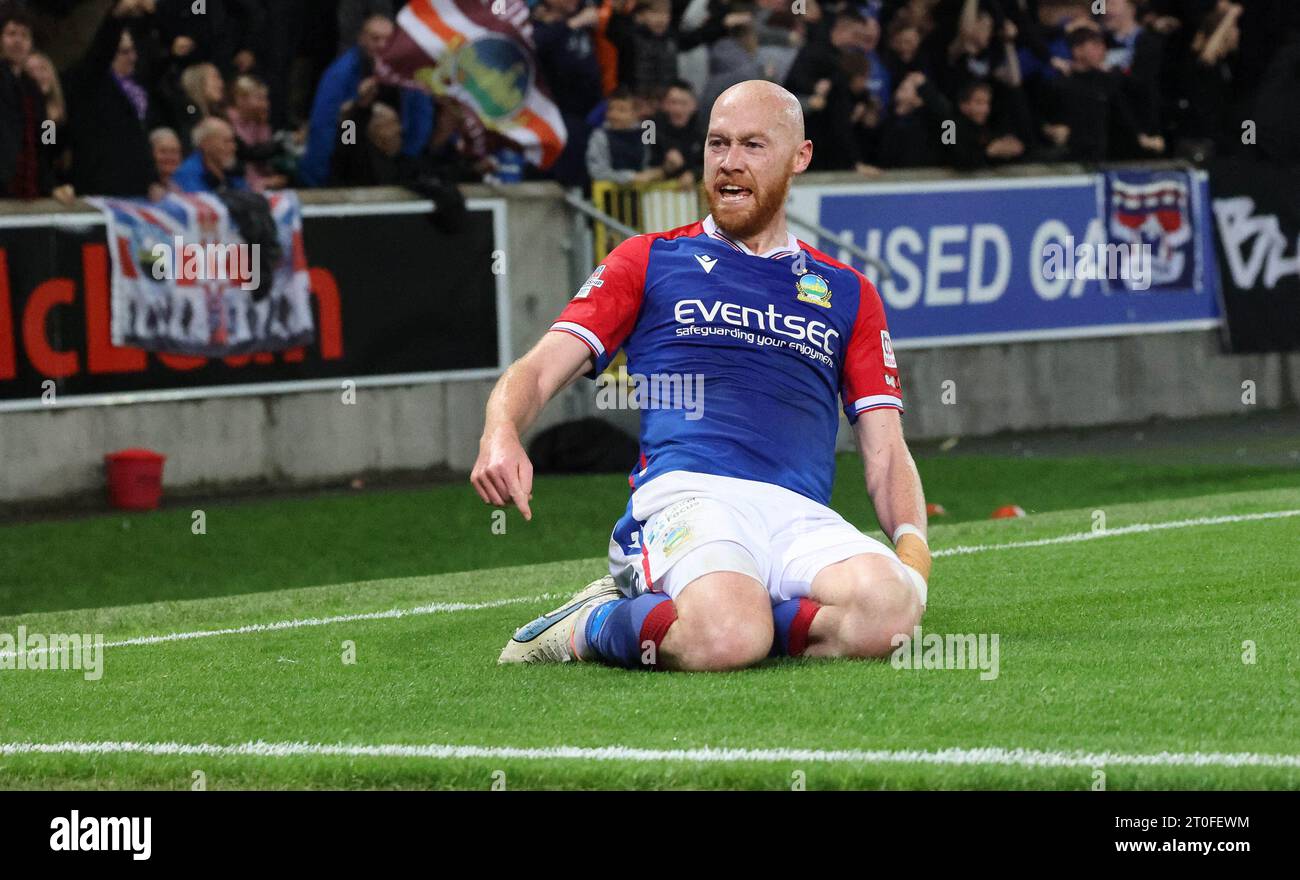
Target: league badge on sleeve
<point>887,349</point>
<point>814,289</point>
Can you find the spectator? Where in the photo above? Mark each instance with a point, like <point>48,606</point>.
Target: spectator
<point>1089,117</point>
<point>616,152</point>
<point>972,55</point>
<point>733,59</point>
<point>250,116</point>
<point>351,77</point>
<point>977,144</point>
<point>648,43</point>
<point>1208,126</point>
<point>213,165</point>
<point>375,160</point>
<point>167,157</point>
<point>911,137</point>
<point>228,33</point>
<point>678,147</point>
<point>202,93</point>
<point>24,168</point>
<point>110,108</point>
<point>867,115</point>
<point>41,69</point>
<point>903,51</point>
<point>819,79</point>
<point>564,38</point>
<point>353,14</point>
<point>1137,53</point>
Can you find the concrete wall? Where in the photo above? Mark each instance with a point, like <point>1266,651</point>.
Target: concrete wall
<point>314,438</point>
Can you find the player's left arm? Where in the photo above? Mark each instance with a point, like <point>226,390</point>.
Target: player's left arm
<point>894,485</point>
<point>873,401</point>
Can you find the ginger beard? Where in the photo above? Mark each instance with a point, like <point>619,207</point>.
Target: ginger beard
<point>748,216</point>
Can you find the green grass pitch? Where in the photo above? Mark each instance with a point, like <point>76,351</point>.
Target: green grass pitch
<point>1121,653</point>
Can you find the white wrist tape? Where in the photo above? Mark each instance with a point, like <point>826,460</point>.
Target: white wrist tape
<point>909,529</point>
<point>918,583</point>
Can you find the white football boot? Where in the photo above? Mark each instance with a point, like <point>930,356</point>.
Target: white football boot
<point>549,638</point>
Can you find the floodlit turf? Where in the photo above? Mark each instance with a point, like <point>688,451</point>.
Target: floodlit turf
<point>117,559</point>
<point>1129,644</point>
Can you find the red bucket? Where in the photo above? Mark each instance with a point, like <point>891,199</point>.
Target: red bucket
<point>134,478</point>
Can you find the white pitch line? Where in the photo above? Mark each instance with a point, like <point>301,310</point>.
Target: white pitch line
<point>951,757</point>
<point>1136,529</point>
<point>450,607</point>
<point>390,614</point>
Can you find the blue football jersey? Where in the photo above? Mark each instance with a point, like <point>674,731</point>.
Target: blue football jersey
<point>743,360</point>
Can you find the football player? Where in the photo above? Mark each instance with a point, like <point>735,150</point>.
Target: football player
<point>728,551</point>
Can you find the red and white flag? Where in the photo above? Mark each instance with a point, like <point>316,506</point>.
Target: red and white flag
<point>480,53</point>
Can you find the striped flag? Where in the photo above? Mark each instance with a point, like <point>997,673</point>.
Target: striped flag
<point>184,277</point>
<point>480,53</point>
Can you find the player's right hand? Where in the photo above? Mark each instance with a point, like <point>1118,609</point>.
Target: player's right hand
<point>503,474</point>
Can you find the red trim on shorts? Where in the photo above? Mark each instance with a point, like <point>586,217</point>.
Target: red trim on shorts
<point>645,566</point>
<point>799,627</point>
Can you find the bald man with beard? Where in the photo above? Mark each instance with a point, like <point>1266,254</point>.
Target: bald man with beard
<point>749,343</point>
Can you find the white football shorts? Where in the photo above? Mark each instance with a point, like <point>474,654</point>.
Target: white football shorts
<point>685,524</point>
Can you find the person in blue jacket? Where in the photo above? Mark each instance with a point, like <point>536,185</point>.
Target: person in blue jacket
<point>213,166</point>
<point>351,76</point>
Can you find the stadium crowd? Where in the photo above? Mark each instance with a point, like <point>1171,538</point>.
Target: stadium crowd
<point>139,97</point>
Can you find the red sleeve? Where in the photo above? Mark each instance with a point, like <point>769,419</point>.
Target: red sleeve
<point>870,377</point>
<point>603,311</point>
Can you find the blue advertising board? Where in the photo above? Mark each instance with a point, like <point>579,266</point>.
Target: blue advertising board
<point>1001,260</point>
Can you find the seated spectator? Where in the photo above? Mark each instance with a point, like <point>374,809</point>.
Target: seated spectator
<point>167,157</point>
<point>616,151</point>
<point>250,116</point>
<point>978,144</point>
<point>678,147</point>
<point>1088,111</point>
<point>213,166</point>
<point>110,108</point>
<point>350,77</point>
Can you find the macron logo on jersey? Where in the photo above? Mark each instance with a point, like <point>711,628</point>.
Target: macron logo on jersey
<point>706,262</point>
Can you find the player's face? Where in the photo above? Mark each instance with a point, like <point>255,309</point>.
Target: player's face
<point>748,164</point>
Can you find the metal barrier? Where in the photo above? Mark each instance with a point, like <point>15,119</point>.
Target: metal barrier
<point>623,210</point>
<point>645,207</point>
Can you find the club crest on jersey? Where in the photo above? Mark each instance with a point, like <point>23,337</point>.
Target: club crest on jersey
<point>814,289</point>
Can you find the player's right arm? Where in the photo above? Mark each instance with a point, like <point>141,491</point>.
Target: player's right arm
<point>581,342</point>
<point>503,474</point>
